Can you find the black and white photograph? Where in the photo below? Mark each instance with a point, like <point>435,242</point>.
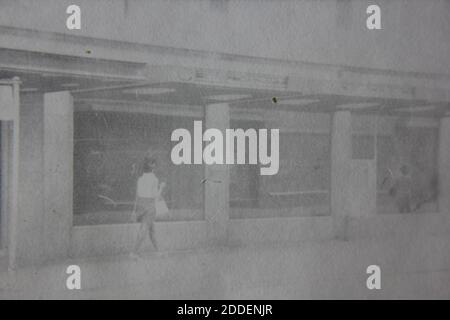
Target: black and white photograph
<point>224,150</point>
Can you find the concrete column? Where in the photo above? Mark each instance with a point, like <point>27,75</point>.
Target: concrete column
<point>10,111</point>
<point>341,156</point>
<point>58,173</point>
<point>6,131</point>
<point>217,180</point>
<point>30,185</point>
<point>6,104</point>
<point>444,166</point>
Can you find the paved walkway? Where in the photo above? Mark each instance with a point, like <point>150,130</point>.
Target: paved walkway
<point>411,267</point>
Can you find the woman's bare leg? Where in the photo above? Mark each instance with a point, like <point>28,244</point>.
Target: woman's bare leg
<point>151,231</point>
<point>140,237</point>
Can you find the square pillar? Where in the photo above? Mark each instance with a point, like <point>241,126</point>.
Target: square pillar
<point>6,132</point>
<point>10,115</point>
<point>444,166</point>
<point>217,178</point>
<point>341,157</point>
<point>58,173</point>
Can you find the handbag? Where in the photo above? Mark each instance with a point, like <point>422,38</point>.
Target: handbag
<point>161,208</point>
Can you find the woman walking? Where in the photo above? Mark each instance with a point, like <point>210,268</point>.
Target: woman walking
<point>148,191</point>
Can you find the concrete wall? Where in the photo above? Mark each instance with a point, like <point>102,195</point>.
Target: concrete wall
<point>182,235</point>
<point>317,31</point>
<point>41,234</point>
<point>31,197</point>
<point>341,155</point>
<point>120,238</point>
<point>217,193</point>
<point>276,230</point>
<point>58,174</point>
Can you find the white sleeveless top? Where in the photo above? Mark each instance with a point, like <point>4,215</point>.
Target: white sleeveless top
<point>147,186</point>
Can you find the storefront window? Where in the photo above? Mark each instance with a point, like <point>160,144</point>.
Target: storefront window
<point>109,149</point>
<point>407,149</point>
<point>302,185</point>
<point>404,150</point>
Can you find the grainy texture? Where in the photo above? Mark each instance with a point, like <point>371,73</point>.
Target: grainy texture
<point>293,149</point>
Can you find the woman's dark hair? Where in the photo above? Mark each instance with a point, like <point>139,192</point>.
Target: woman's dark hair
<point>148,165</point>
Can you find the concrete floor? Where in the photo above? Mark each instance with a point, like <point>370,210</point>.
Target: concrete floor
<point>415,266</point>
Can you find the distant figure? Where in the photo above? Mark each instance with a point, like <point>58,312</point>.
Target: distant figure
<point>148,191</point>
<point>401,190</point>
<point>429,192</point>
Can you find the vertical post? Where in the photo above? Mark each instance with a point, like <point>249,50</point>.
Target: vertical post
<point>13,216</point>
<point>58,173</point>
<point>5,192</point>
<point>377,129</point>
<point>341,156</point>
<point>444,166</point>
<point>217,180</point>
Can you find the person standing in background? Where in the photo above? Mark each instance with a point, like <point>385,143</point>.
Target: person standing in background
<point>401,190</point>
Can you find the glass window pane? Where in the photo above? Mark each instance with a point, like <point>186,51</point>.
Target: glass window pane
<point>109,150</point>
<point>301,186</point>
<point>407,164</point>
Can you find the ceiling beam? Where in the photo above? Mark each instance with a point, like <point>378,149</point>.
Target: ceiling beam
<point>57,65</point>
<point>38,51</point>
